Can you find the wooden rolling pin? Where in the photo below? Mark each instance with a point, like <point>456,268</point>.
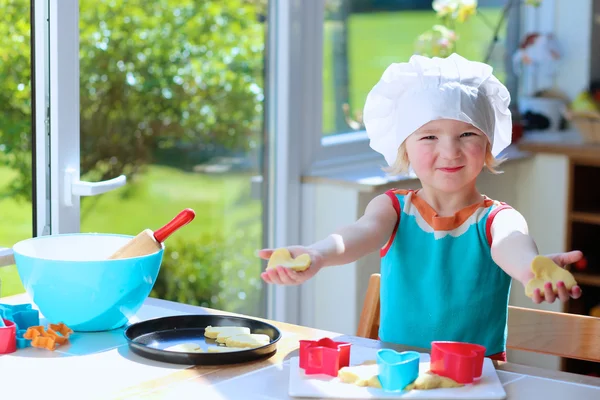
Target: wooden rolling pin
<point>148,242</point>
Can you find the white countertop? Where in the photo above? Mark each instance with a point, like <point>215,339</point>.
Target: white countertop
<point>100,366</point>
<point>90,366</point>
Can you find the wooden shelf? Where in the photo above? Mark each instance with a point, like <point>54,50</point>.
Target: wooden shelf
<point>585,217</point>
<point>586,279</point>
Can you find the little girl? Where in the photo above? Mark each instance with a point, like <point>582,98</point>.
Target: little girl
<point>448,253</point>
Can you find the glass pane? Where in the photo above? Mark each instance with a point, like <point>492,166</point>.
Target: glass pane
<point>16,135</point>
<point>172,96</point>
<point>363,37</point>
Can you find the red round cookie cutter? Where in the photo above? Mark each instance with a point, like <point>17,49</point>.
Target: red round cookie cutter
<point>324,356</point>
<point>460,361</point>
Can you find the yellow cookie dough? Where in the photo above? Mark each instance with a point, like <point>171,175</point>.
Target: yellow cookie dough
<point>284,258</point>
<point>366,374</point>
<point>223,336</point>
<point>224,349</point>
<point>545,270</point>
<point>248,340</point>
<point>361,375</point>
<point>212,332</point>
<point>429,380</point>
<point>185,348</point>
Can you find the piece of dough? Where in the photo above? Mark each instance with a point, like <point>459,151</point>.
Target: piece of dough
<point>284,258</point>
<point>186,348</point>
<point>248,340</point>
<point>364,374</point>
<point>224,349</point>
<point>545,270</point>
<point>429,380</point>
<point>223,336</point>
<point>212,332</point>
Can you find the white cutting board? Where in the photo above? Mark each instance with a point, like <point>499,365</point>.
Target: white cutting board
<point>325,386</point>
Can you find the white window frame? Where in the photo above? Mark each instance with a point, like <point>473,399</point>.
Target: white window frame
<point>287,151</point>
<point>294,129</point>
<point>58,149</point>
<point>57,112</point>
<point>345,150</point>
<point>324,152</point>
<point>64,111</point>
<point>40,101</point>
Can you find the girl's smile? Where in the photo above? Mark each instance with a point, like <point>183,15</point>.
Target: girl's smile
<point>451,170</point>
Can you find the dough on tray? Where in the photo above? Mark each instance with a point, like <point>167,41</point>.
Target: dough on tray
<point>212,332</point>
<point>248,340</point>
<point>224,349</point>
<point>186,348</point>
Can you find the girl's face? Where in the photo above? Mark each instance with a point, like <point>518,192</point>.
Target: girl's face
<point>446,154</point>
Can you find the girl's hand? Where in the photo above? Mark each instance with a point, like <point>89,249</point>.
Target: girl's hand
<point>287,276</point>
<point>562,260</point>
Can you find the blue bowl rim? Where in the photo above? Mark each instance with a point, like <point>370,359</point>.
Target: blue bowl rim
<point>46,237</point>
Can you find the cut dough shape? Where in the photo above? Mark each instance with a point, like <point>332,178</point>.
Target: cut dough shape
<point>186,348</point>
<point>224,349</point>
<point>212,332</point>
<point>223,336</point>
<point>284,258</point>
<point>364,374</point>
<point>429,380</point>
<point>248,340</point>
<point>545,270</point>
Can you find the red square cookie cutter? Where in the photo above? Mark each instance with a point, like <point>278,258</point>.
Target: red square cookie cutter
<point>8,337</point>
<point>462,362</point>
<point>324,356</point>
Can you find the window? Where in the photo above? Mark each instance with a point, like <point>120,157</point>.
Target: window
<point>360,38</point>
<point>176,106</point>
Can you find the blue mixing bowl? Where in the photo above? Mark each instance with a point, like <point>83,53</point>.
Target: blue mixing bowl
<point>70,279</point>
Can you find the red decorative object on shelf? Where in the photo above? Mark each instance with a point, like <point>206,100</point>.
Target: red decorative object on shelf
<point>581,264</point>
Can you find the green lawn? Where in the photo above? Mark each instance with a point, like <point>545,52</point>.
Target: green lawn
<point>222,204</point>
<point>376,40</point>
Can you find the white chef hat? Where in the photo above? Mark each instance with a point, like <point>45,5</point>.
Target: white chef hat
<point>425,89</point>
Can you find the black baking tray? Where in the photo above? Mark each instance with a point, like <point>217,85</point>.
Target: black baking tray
<point>150,338</point>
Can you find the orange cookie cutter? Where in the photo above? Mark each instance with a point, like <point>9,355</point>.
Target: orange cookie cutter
<point>40,338</point>
<point>56,335</point>
<point>63,330</point>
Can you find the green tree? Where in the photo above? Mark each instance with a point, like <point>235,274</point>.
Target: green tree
<point>152,74</point>
<point>15,96</point>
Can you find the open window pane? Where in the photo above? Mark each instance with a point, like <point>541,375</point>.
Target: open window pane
<point>16,134</point>
<point>171,95</point>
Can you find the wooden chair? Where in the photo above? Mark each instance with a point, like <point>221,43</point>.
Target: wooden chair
<point>558,334</point>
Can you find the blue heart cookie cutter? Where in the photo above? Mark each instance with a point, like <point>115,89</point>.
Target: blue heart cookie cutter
<point>397,370</point>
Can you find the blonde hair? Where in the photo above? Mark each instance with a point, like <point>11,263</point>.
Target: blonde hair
<point>402,162</point>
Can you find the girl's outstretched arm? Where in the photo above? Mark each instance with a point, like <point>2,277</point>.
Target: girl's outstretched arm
<point>514,250</point>
<point>368,234</point>
<point>348,244</point>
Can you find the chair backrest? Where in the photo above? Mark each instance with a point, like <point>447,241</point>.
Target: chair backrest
<point>546,332</point>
